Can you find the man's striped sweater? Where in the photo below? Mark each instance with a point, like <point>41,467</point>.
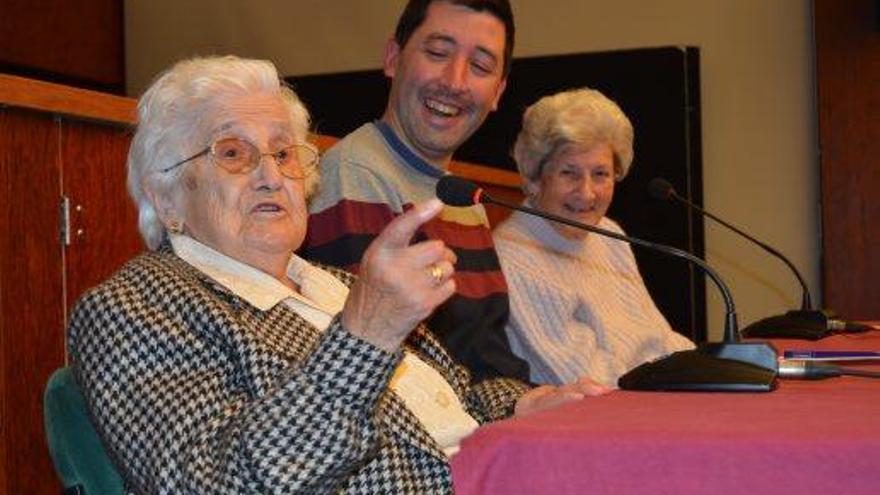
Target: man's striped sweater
<point>370,177</point>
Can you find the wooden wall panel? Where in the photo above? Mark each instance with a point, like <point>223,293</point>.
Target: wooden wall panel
<point>31,316</point>
<point>848,73</point>
<point>77,42</point>
<point>103,221</point>
<point>5,222</point>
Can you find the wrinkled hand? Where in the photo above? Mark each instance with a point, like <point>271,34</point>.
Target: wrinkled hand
<point>547,396</point>
<point>395,289</point>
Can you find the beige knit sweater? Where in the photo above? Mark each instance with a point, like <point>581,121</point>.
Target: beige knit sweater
<point>578,307</point>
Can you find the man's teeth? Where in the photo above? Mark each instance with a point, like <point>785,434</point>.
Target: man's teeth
<point>266,207</point>
<point>447,110</point>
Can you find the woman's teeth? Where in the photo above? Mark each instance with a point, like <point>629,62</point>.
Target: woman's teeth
<point>576,210</point>
<point>267,207</point>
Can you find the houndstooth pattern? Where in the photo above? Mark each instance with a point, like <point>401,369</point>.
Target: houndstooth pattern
<point>196,391</point>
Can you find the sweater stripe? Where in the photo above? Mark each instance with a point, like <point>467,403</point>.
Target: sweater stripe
<point>344,252</point>
<point>359,217</point>
<point>479,285</point>
<point>458,236</point>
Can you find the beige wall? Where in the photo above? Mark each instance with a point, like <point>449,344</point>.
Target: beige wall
<point>759,114</point>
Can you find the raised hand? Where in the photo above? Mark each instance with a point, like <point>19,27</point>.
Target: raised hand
<point>399,284</point>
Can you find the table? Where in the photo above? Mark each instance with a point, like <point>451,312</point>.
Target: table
<point>805,437</point>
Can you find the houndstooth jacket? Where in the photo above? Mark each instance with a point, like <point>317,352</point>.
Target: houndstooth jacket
<point>193,390</point>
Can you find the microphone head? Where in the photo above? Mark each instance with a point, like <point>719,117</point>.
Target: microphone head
<point>455,191</point>
<point>659,188</point>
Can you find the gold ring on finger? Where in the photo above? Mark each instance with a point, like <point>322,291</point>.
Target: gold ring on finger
<point>436,273</point>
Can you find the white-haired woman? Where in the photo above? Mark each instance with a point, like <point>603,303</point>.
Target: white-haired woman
<point>579,307</point>
<point>220,362</point>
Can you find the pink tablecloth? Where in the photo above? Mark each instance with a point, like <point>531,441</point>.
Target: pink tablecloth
<point>805,437</point>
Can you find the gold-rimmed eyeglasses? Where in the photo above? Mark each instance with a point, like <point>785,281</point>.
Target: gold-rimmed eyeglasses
<point>238,156</point>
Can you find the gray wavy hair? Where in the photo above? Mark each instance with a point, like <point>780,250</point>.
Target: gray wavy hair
<point>169,120</point>
<point>583,117</point>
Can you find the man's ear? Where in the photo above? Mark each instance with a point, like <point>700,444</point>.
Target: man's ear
<point>392,55</point>
<point>501,88</point>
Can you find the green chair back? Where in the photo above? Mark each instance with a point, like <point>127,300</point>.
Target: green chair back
<point>79,457</point>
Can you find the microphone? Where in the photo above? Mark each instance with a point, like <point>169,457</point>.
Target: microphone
<point>805,323</point>
<point>727,366</point>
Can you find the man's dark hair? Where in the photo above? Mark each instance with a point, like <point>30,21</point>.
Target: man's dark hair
<point>416,10</point>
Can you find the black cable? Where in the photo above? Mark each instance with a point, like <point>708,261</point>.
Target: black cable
<point>811,370</point>
<point>854,327</point>
<point>858,372</point>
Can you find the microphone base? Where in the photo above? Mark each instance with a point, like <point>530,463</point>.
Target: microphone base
<point>759,354</point>
<point>712,367</point>
<point>795,324</point>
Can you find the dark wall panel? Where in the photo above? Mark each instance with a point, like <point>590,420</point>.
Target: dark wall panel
<point>658,88</point>
<point>31,291</point>
<point>47,153</point>
<point>73,42</point>
<point>103,220</point>
<point>848,76</point>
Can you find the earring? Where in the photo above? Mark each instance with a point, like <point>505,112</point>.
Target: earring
<point>175,227</point>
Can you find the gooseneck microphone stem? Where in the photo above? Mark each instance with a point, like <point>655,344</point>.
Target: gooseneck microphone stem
<point>728,366</point>
<point>731,328</point>
<point>806,302</point>
<point>804,323</point>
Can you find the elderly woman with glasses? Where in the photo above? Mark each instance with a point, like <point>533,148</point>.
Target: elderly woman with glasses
<point>221,362</point>
<point>579,307</point>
